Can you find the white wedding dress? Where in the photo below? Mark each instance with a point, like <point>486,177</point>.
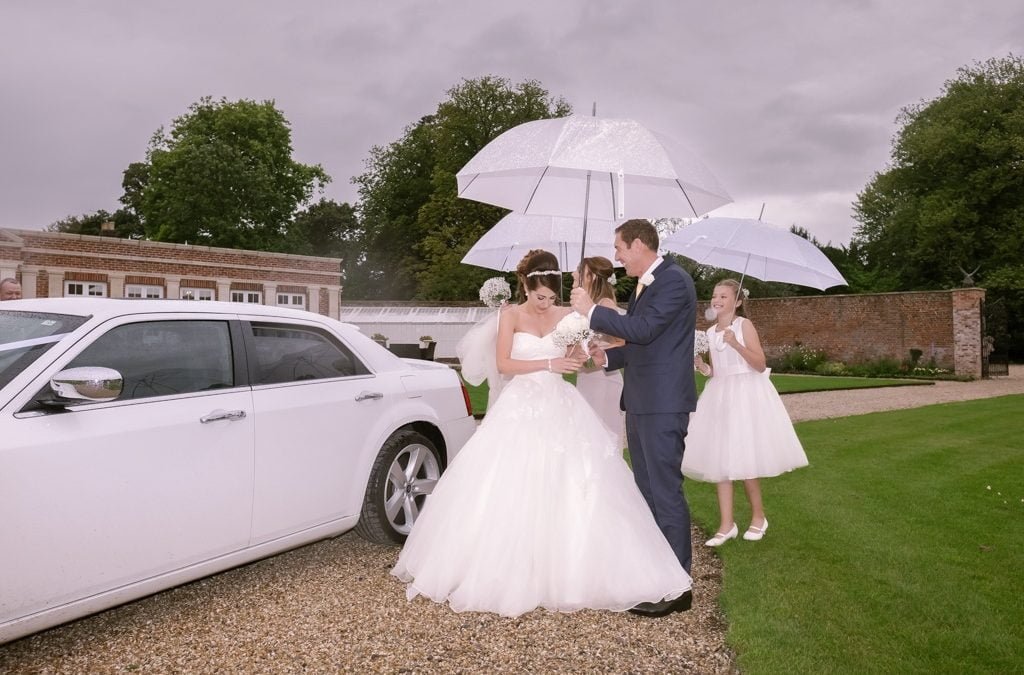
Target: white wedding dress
<point>539,509</point>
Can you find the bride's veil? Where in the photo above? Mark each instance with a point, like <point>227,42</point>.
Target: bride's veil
<point>477,352</point>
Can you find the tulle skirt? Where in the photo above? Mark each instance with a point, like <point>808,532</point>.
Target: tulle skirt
<point>539,509</point>
<point>740,430</point>
<point>602,389</point>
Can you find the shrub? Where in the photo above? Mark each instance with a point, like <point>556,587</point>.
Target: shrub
<point>831,368</point>
<point>800,359</point>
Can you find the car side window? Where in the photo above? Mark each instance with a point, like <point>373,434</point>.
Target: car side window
<point>292,353</point>
<point>160,358</point>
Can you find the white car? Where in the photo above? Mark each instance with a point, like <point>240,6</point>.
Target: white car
<point>146,443</point>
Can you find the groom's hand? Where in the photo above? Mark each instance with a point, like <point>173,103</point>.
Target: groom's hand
<point>580,301</point>
<point>600,358</point>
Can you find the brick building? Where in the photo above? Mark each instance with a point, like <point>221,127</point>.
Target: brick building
<point>51,264</point>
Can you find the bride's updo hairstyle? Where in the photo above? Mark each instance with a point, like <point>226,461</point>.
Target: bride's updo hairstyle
<point>600,285</point>
<point>735,286</point>
<point>538,268</point>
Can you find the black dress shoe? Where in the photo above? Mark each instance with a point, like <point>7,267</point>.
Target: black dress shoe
<point>665,607</point>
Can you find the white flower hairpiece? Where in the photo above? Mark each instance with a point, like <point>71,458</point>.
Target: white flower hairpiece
<point>539,273</point>
<point>746,293</point>
<point>612,280</point>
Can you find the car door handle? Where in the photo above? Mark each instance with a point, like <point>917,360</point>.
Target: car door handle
<point>364,395</point>
<point>217,415</point>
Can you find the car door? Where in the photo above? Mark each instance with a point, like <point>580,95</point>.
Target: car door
<point>314,403</point>
<point>101,495</point>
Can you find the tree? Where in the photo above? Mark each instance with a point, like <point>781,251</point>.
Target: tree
<point>416,228</point>
<point>330,230</point>
<point>126,224</point>
<point>953,195</point>
<point>223,176</point>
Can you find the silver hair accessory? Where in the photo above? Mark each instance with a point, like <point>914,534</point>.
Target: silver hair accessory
<point>540,273</point>
<point>612,280</point>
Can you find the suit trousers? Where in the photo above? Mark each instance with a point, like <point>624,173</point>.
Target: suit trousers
<point>656,445</point>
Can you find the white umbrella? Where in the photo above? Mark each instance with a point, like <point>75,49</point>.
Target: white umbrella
<point>590,167</point>
<point>754,248</point>
<point>504,245</point>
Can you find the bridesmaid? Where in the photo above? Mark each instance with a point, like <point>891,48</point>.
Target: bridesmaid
<point>602,389</point>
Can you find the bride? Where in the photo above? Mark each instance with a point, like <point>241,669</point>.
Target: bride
<point>538,509</point>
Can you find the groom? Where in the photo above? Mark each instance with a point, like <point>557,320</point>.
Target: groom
<point>658,393</point>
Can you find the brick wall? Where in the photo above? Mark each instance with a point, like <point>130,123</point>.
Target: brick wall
<point>944,325</point>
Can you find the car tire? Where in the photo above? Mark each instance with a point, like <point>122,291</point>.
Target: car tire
<point>403,476</point>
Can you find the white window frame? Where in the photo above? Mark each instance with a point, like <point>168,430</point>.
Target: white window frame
<point>147,291</point>
<point>85,289</point>
<point>296,300</point>
<point>250,297</point>
<point>191,293</point>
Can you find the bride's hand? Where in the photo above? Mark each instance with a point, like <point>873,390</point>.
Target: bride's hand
<point>576,352</point>
<point>565,364</point>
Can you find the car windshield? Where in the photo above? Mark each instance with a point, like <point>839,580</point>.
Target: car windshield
<point>25,336</point>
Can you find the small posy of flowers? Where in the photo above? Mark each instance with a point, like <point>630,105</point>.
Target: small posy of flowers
<point>573,329</point>
<point>700,343</point>
<point>495,291</point>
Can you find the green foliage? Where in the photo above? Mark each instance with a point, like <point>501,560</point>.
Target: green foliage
<point>126,224</point>
<point>952,199</point>
<point>799,359</point>
<point>831,368</point>
<point>415,228</point>
<point>223,176</point>
<point>895,551</point>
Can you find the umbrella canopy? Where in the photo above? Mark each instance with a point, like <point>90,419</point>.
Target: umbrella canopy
<point>513,236</point>
<point>754,248</point>
<point>590,167</point>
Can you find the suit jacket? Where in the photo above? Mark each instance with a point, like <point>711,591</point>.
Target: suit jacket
<point>658,355</point>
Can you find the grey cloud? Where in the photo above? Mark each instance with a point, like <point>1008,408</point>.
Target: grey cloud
<point>791,103</point>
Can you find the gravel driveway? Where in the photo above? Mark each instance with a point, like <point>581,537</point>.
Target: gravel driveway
<point>332,607</point>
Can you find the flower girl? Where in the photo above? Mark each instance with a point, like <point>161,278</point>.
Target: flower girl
<point>740,430</point>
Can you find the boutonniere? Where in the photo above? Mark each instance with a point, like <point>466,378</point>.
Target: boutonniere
<point>647,279</point>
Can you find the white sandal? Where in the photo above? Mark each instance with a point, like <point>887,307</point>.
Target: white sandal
<point>722,537</point>
<point>755,533</point>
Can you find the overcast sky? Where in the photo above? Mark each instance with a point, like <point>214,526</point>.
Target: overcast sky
<point>791,103</point>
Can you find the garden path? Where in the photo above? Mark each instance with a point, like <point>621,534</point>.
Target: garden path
<point>828,404</point>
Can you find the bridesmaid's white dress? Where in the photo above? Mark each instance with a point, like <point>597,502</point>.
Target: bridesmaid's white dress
<point>539,509</point>
<point>740,428</point>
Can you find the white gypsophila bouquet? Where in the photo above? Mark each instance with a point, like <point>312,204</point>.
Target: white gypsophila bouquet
<point>573,329</point>
<point>495,291</point>
<point>700,343</point>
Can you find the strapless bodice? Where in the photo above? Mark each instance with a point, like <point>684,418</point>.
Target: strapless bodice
<point>527,346</point>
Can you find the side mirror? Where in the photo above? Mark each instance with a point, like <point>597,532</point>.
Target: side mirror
<point>87,383</point>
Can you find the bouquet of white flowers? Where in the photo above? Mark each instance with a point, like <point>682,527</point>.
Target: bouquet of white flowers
<point>495,291</point>
<point>700,343</point>
<point>571,330</point>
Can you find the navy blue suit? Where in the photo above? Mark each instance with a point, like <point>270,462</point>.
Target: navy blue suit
<point>658,392</point>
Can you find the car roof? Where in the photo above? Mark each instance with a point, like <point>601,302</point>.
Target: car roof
<point>105,308</point>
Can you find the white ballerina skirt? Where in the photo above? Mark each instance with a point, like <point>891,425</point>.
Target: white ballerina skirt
<point>740,430</point>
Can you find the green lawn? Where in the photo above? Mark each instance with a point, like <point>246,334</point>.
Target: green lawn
<point>785,384</point>
<point>899,550</point>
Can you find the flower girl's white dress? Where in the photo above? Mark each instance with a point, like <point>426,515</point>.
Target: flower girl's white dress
<point>740,429</point>
<point>539,509</point>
